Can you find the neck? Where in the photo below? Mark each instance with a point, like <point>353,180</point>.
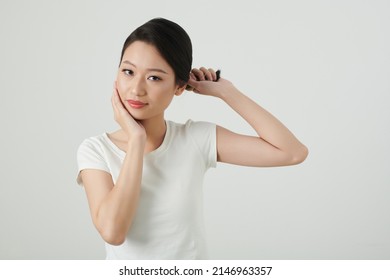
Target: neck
<point>155,131</point>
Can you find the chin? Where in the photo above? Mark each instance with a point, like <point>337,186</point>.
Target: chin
<point>134,115</point>
<point>139,117</point>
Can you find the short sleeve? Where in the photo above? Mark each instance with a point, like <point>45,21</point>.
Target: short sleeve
<point>204,135</point>
<point>90,156</point>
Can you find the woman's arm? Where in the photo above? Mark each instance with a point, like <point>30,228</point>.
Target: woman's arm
<point>275,144</point>
<point>113,208</point>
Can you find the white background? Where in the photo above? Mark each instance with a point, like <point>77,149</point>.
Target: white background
<point>322,67</point>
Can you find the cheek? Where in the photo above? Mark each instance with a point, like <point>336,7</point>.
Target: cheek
<point>121,84</point>
<point>165,98</point>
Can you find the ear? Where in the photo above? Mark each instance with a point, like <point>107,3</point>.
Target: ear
<point>180,90</point>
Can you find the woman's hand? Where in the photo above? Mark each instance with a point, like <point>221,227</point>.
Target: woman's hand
<point>204,81</point>
<point>132,128</point>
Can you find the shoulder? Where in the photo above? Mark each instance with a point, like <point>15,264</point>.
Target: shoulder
<point>91,154</point>
<point>201,134</point>
<point>93,142</point>
<point>99,145</point>
<point>193,127</point>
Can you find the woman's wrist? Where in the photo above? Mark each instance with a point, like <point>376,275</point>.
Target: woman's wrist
<point>136,141</point>
<point>230,94</point>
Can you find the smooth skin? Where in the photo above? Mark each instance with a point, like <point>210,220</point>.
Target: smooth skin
<point>146,77</point>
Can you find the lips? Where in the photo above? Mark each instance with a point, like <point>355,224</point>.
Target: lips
<point>136,104</point>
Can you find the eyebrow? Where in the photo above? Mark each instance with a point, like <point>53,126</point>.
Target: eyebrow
<point>149,69</point>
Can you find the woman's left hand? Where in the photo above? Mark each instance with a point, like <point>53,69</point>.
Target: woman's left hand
<point>204,81</point>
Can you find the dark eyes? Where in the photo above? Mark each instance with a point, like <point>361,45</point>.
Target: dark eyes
<point>129,72</point>
<point>154,78</point>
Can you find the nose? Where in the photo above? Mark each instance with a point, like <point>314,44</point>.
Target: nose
<point>138,87</point>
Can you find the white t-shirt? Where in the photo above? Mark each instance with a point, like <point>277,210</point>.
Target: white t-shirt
<point>169,218</point>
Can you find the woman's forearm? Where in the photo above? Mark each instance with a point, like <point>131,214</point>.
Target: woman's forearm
<point>265,124</point>
<point>116,212</point>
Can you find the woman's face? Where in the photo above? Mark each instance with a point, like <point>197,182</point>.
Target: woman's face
<point>145,81</point>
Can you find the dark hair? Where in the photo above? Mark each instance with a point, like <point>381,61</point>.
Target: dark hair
<point>172,42</point>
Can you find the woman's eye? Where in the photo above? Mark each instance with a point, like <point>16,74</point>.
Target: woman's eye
<point>154,78</point>
<point>128,72</point>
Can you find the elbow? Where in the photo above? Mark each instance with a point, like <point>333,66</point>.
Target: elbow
<point>112,237</point>
<point>112,230</point>
<point>300,155</point>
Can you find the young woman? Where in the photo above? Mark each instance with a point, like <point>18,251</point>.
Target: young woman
<point>144,181</point>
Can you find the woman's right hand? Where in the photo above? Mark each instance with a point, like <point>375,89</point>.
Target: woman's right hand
<point>130,126</point>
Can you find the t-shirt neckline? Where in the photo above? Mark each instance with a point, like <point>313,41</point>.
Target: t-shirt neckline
<point>164,145</point>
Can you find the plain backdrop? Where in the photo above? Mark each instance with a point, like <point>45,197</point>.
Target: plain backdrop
<point>321,67</point>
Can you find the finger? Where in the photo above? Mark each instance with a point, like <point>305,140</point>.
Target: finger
<point>113,97</point>
<point>191,86</point>
<point>192,76</point>
<point>191,79</point>
<point>119,106</point>
<point>114,107</point>
<point>206,74</point>
<point>116,104</point>
<point>188,86</point>
<point>199,75</point>
<point>119,100</point>
<point>213,74</point>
